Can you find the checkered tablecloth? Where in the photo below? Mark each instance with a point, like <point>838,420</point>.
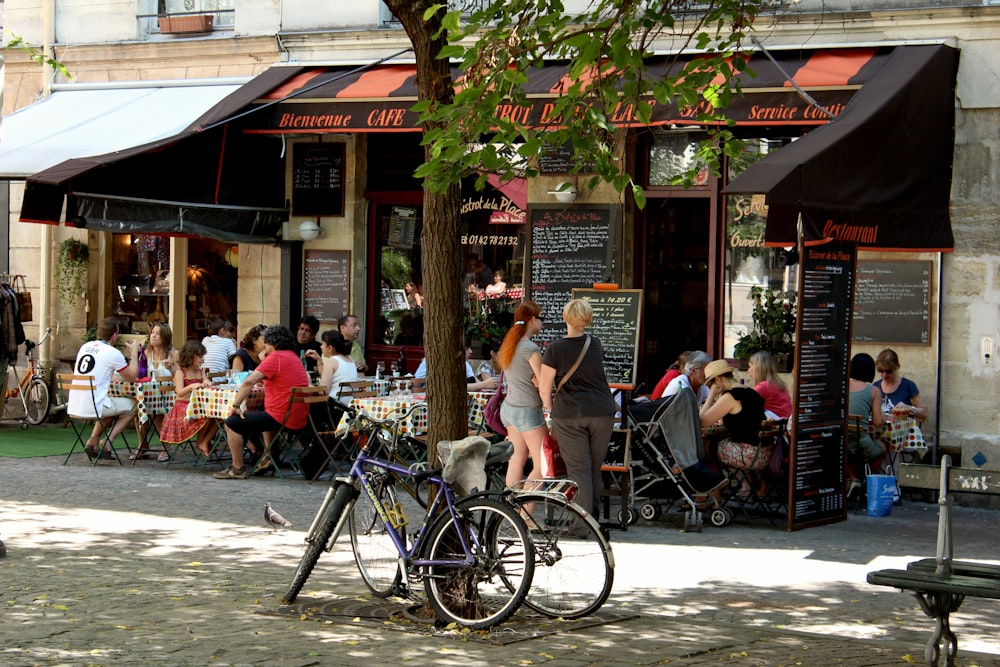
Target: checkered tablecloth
<point>148,399</point>
<point>214,402</point>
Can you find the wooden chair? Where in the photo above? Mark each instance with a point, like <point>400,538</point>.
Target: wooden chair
<point>357,389</point>
<point>83,424</point>
<point>218,377</point>
<point>323,444</point>
<point>286,437</point>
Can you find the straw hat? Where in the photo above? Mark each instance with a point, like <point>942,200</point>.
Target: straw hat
<point>717,368</point>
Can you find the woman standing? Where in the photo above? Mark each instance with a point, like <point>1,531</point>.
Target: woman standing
<point>521,412</point>
<point>764,375</point>
<point>248,357</point>
<point>741,411</point>
<point>583,411</point>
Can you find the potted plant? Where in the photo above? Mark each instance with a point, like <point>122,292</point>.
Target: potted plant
<point>71,276</point>
<point>773,327</point>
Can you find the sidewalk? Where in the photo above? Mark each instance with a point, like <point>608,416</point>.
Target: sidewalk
<point>153,566</point>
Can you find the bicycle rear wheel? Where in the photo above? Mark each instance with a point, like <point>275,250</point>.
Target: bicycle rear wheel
<point>574,564</point>
<point>332,513</point>
<point>493,588</point>
<point>374,550</point>
<point>36,401</point>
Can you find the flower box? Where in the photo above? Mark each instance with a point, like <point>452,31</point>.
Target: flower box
<point>172,25</point>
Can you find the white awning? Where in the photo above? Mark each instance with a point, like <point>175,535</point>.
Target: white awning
<point>95,121</point>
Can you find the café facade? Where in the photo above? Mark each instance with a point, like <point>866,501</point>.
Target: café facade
<point>302,175</point>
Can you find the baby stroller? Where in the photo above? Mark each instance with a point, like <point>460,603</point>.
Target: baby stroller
<point>667,449</point>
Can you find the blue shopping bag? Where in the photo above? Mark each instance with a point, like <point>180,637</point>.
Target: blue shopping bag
<point>881,493</point>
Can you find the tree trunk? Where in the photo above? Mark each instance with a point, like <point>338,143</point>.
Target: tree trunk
<point>442,266</point>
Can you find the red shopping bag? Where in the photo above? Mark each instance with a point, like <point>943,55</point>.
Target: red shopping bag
<point>552,462</point>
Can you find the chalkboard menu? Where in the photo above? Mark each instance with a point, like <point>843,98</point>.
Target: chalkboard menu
<point>892,302</point>
<point>569,247</point>
<point>317,179</point>
<point>818,450</point>
<point>327,293</point>
<point>561,160</point>
<point>617,316</point>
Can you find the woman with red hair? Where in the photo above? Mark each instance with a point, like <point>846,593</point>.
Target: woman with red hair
<point>521,362</point>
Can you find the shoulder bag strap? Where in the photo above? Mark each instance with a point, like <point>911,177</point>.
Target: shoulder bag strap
<point>579,360</point>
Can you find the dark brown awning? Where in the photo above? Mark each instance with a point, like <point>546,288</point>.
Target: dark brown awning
<point>880,174</point>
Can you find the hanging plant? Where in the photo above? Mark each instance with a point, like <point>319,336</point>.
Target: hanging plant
<point>72,274</point>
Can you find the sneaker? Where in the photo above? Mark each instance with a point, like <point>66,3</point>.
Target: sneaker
<point>231,473</point>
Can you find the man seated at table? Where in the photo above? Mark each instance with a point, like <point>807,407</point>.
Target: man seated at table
<point>350,329</point>
<point>305,340</point>
<point>100,360</point>
<point>472,382</point>
<point>280,370</point>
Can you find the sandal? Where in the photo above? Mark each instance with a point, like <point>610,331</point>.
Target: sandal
<point>163,457</point>
<point>141,453</point>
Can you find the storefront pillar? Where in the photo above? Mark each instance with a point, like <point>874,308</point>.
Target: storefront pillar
<point>177,280</point>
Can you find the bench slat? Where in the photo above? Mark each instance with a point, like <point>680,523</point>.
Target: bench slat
<point>928,582</point>
<point>961,567</point>
<point>960,480</point>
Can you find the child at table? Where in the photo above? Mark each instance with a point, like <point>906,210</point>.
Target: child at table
<point>190,376</point>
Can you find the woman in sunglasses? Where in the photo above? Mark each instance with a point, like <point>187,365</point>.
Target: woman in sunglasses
<point>899,392</point>
<point>741,411</point>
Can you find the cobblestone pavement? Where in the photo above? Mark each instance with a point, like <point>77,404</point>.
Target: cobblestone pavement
<point>155,566</point>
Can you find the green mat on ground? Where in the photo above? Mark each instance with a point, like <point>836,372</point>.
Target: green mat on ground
<point>43,440</point>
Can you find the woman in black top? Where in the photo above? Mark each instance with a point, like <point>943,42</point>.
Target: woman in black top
<point>741,411</point>
<point>583,412</point>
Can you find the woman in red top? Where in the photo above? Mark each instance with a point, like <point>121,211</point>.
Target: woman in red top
<point>673,371</point>
<point>280,370</point>
<point>764,375</point>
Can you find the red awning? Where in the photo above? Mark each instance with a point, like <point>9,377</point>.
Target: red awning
<point>379,99</point>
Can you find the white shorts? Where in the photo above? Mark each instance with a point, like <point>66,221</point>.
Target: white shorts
<point>115,406</point>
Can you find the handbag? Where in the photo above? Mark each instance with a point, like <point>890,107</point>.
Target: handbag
<point>552,460</point>
<point>491,411</point>
<point>23,296</point>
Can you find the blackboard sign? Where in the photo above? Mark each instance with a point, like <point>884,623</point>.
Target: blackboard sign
<point>818,450</point>
<point>892,302</point>
<point>619,456</point>
<point>318,179</point>
<point>560,160</point>
<point>327,283</point>
<point>569,247</point>
<point>616,323</point>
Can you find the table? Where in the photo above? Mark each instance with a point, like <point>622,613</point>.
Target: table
<point>477,403</point>
<point>213,402</point>
<point>901,433</point>
<point>148,399</point>
<point>386,407</point>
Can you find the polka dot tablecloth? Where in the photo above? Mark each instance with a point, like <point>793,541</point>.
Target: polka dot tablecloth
<point>147,397</point>
<point>477,403</point>
<point>387,407</point>
<point>214,402</point>
<point>902,434</point>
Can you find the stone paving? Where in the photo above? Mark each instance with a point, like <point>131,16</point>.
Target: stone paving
<point>164,566</point>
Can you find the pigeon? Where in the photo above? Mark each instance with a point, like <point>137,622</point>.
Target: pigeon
<point>273,519</point>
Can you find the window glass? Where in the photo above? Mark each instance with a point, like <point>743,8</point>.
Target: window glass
<point>749,264</point>
<point>673,154</point>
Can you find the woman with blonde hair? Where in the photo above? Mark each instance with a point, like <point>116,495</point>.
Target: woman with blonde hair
<point>521,412</point>
<point>764,375</point>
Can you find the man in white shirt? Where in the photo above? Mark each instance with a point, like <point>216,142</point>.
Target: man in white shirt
<point>693,377</point>
<point>100,359</point>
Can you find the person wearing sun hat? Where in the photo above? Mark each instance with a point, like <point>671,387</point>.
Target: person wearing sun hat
<point>741,411</point>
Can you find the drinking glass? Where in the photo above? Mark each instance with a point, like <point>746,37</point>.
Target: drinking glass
<point>395,369</point>
<point>380,369</point>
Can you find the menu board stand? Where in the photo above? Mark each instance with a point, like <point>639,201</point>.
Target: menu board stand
<point>823,336</point>
<point>616,323</point>
<point>326,289</point>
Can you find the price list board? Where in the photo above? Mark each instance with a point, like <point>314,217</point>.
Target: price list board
<point>892,302</point>
<point>826,284</point>
<point>317,179</point>
<point>617,319</point>
<point>327,293</point>
<point>569,247</point>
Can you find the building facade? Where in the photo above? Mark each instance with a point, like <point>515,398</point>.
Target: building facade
<point>694,252</point>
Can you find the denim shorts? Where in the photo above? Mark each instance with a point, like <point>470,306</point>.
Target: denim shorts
<point>522,419</point>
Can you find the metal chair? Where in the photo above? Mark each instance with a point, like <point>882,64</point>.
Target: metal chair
<point>83,424</point>
<point>357,389</point>
<point>286,436</point>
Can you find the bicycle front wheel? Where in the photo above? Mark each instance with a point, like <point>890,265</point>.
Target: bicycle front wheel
<point>36,402</point>
<point>374,550</point>
<point>332,513</point>
<point>493,588</point>
<point>574,564</point>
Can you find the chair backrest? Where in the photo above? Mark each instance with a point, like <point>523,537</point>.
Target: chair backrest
<point>772,430</point>
<point>67,382</point>
<point>357,389</point>
<point>307,395</point>
<point>217,377</point>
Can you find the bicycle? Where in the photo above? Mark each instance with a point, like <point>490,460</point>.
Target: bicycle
<point>472,555</point>
<point>32,389</point>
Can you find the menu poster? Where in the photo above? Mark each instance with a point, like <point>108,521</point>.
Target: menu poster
<point>892,302</point>
<point>317,179</point>
<point>818,447</point>
<point>569,247</point>
<point>327,292</point>
<point>616,323</point>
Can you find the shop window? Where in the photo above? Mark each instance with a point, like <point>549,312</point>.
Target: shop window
<point>140,265</point>
<point>749,264</point>
<point>195,16</point>
<point>674,154</point>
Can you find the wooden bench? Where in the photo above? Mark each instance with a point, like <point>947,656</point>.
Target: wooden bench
<point>941,584</point>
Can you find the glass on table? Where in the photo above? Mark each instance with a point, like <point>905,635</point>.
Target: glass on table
<point>379,370</point>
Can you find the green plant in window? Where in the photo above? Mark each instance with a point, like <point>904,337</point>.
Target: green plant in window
<point>71,276</point>
<point>484,328</point>
<point>396,268</point>
<point>773,324</point>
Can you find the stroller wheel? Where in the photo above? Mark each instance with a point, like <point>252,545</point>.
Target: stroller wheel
<point>720,517</point>
<point>649,511</point>
<point>627,516</point>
